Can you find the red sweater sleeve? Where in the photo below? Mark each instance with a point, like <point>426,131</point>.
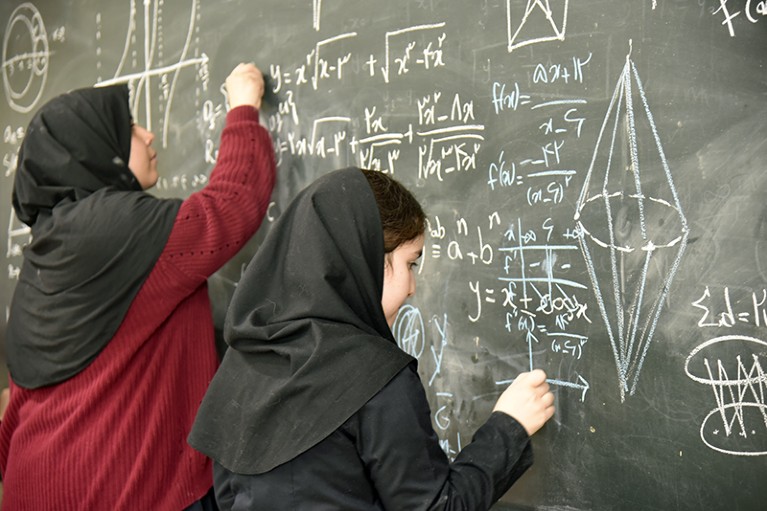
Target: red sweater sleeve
<point>214,223</point>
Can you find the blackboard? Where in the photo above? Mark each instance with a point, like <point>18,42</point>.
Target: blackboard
<point>594,174</point>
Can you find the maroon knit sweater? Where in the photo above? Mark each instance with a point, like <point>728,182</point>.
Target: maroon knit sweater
<point>113,437</point>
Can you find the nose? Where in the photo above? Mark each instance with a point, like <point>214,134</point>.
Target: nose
<point>411,290</point>
<point>149,137</point>
<point>144,134</point>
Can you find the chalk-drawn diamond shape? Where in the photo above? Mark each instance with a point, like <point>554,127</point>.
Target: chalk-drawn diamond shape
<point>632,229</point>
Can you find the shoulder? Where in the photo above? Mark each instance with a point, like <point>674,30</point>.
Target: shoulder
<point>402,386</point>
<point>403,396</point>
<point>121,205</point>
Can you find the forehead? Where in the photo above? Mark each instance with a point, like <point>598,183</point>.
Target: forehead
<point>413,247</point>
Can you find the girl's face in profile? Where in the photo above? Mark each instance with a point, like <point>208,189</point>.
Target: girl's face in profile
<point>399,276</point>
<point>143,158</point>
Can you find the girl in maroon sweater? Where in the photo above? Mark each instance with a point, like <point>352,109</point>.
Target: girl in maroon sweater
<point>110,338</point>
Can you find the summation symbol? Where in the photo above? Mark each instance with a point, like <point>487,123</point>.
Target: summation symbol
<point>630,222</point>
<point>740,389</point>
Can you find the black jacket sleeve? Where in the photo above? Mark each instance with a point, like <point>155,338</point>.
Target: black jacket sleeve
<point>410,471</point>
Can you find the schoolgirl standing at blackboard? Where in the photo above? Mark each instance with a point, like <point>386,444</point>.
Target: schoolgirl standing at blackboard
<point>314,406</point>
<point>110,340</point>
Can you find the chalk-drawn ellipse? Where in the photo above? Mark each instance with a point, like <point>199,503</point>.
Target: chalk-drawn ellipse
<point>709,435</point>
<point>710,347</point>
<point>626,208</point>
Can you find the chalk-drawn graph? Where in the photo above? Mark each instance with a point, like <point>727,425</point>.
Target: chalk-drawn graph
<point>578,383</point>
<point>632,231</point>
<point>25,58</point>
<point>143,36</point>
<point>738,423</point>
<point>541,21</point>
<point>532,334</point>
<point>531,272</point>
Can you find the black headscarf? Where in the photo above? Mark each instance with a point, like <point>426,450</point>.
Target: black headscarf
<point>309,342</point>
<point>95,234</point>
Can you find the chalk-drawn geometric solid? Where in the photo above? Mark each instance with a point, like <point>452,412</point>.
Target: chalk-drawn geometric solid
<point>632,230</point>
<point>732,366</point>
<point>25,58</point>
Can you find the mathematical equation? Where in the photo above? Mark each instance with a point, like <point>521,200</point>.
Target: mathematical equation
<point>719,309</point>
<point>441,128</point>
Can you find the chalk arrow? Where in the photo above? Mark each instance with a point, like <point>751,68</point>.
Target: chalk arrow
<point>584,386</point>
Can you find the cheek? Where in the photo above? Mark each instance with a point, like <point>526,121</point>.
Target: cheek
<point>402,287</point>
<point>392,291</point>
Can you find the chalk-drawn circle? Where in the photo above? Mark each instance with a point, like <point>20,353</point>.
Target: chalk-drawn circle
<point>25,58</point>
<point>736,417</point>
<point>710,347</point>
<point>408,330</point>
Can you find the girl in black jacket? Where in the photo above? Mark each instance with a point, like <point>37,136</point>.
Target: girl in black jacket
<point>314,406</point>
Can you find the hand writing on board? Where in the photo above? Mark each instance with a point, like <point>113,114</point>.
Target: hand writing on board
<point>245,86</point>
<point>529,400</point>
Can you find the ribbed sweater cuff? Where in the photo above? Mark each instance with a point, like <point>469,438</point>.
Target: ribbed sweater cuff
<point>242,113</point>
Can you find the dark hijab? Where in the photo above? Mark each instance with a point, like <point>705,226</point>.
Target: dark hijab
<point>309,342</point>
<point>95,234</point>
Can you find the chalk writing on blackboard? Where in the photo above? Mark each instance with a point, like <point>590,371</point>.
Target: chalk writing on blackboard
<point>538,13</point>
<point>630,296</point>
<point>316,13</point>
<point>719,311</point>
<point>25,61</point>
<point>738,423</point>
<point>491,116</point>
<point>408,330</point>
<point>429,56</point>
<point>442,421</point>
<point>151,48</point>
<point>18,233</point>
<point>751,10</point>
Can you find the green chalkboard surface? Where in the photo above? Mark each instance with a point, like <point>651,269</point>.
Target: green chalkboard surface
<point>594,174</point>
